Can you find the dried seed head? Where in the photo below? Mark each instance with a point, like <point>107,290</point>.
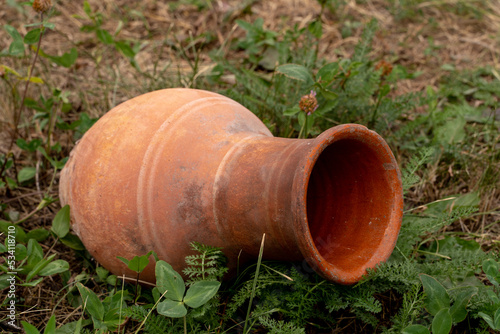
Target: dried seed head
<point>308,103</point>
<point>41,6</point>
<point>385,66</point>
<point>2,71</point>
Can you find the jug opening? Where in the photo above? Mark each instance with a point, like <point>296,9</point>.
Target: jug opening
<point>350,199</point>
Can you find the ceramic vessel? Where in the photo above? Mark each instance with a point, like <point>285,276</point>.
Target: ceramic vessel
<point>180,165</point>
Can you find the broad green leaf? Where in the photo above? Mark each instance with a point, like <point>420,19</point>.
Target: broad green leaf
<point>327,73</point>
<point>25,174</point>
<point>291,111</point>
<point>20,235</point>
<point>458,310</point>
<point>11,183</point>
<point>172,309</point>
<point>38,267</point>
<point>73,327</point>
<point>436,296</point>
<point>201,292</point>
<point>13,32</point>
<point>39,234</point>
<point>488,319</point>
<point>32,283</point>
<point>316,28</point>
<point>16,48</point>
<point>452,131</point>
<point>50,328</point>
<point>124,260</point>
<point>125,49</point>
<point>72,241</point>
<point>497,319</point>
<point>61,222</point>
<point>33,36</point>
<point>21,252</point>
<point>29,328</point>
<point>55,267</point>
<point>297,72</point>
<point>167,279</point>
<point>416,329</point>
<point>31,146</point>
<point>35,252</point>
<point>92,303</point>
<point>491,269</point>
<point>4,281</point>
<point>102,273</point>
<point>138,263</point>
<point>104,36</point>
<point>66,60</point>
<point>441,324</point>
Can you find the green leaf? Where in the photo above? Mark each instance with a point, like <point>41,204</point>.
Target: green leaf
<point>497,319</point>
<point>55,267</point>
<point>491,269</point>
<point>172,309</point>
<point>416,329</point>
<point>87,9</point>
<point>201,292</point>
<point>296,72</point>
<point>29,329</point>
<point>4,281</point>
<point>327,73</point>
<point>104,36</point>
<point>316,28</point>
<point>441,324</point>
<point>124,260</point>
<point>61,222</point>
<point>66,60</point>
<point>72,241</point>
<point>32,283</point>
<point>458,311</point>
<point>50,328</point>
<point>138,263</point>
<point>35,252</point>
<point>291,111</point>
<point>125,49</point>
<point>39,234</point>
<point>31,146</point>
<point>21,252</point>
<point>92,303</point>
<point>20,235</point>
<point>452,131</point>
<point>16,48</point>
<point>33,36</point>
<point>38,267</point>
<point>488,319</point>
<point>167,279</point>
<point>25,174</point>
<point>436,296</point>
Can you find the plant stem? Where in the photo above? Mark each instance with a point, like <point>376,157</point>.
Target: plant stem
<point>17,116</point>
<point>254,283</point>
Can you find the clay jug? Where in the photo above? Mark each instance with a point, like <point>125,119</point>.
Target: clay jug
<point>180,165</point>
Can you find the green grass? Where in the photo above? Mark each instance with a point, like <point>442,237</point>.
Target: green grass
<point>435,102</point>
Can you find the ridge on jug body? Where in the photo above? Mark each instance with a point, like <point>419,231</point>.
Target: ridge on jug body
<point>179,165</point>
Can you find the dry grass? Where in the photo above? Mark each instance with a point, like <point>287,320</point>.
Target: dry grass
<point>101,78</point>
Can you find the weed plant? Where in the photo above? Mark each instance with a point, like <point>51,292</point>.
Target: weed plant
<point>443,275</point>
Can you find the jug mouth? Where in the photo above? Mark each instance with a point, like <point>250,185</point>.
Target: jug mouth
<point>350,203</point>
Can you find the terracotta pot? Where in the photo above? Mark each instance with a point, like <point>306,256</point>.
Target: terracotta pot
<point>180,165</point>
